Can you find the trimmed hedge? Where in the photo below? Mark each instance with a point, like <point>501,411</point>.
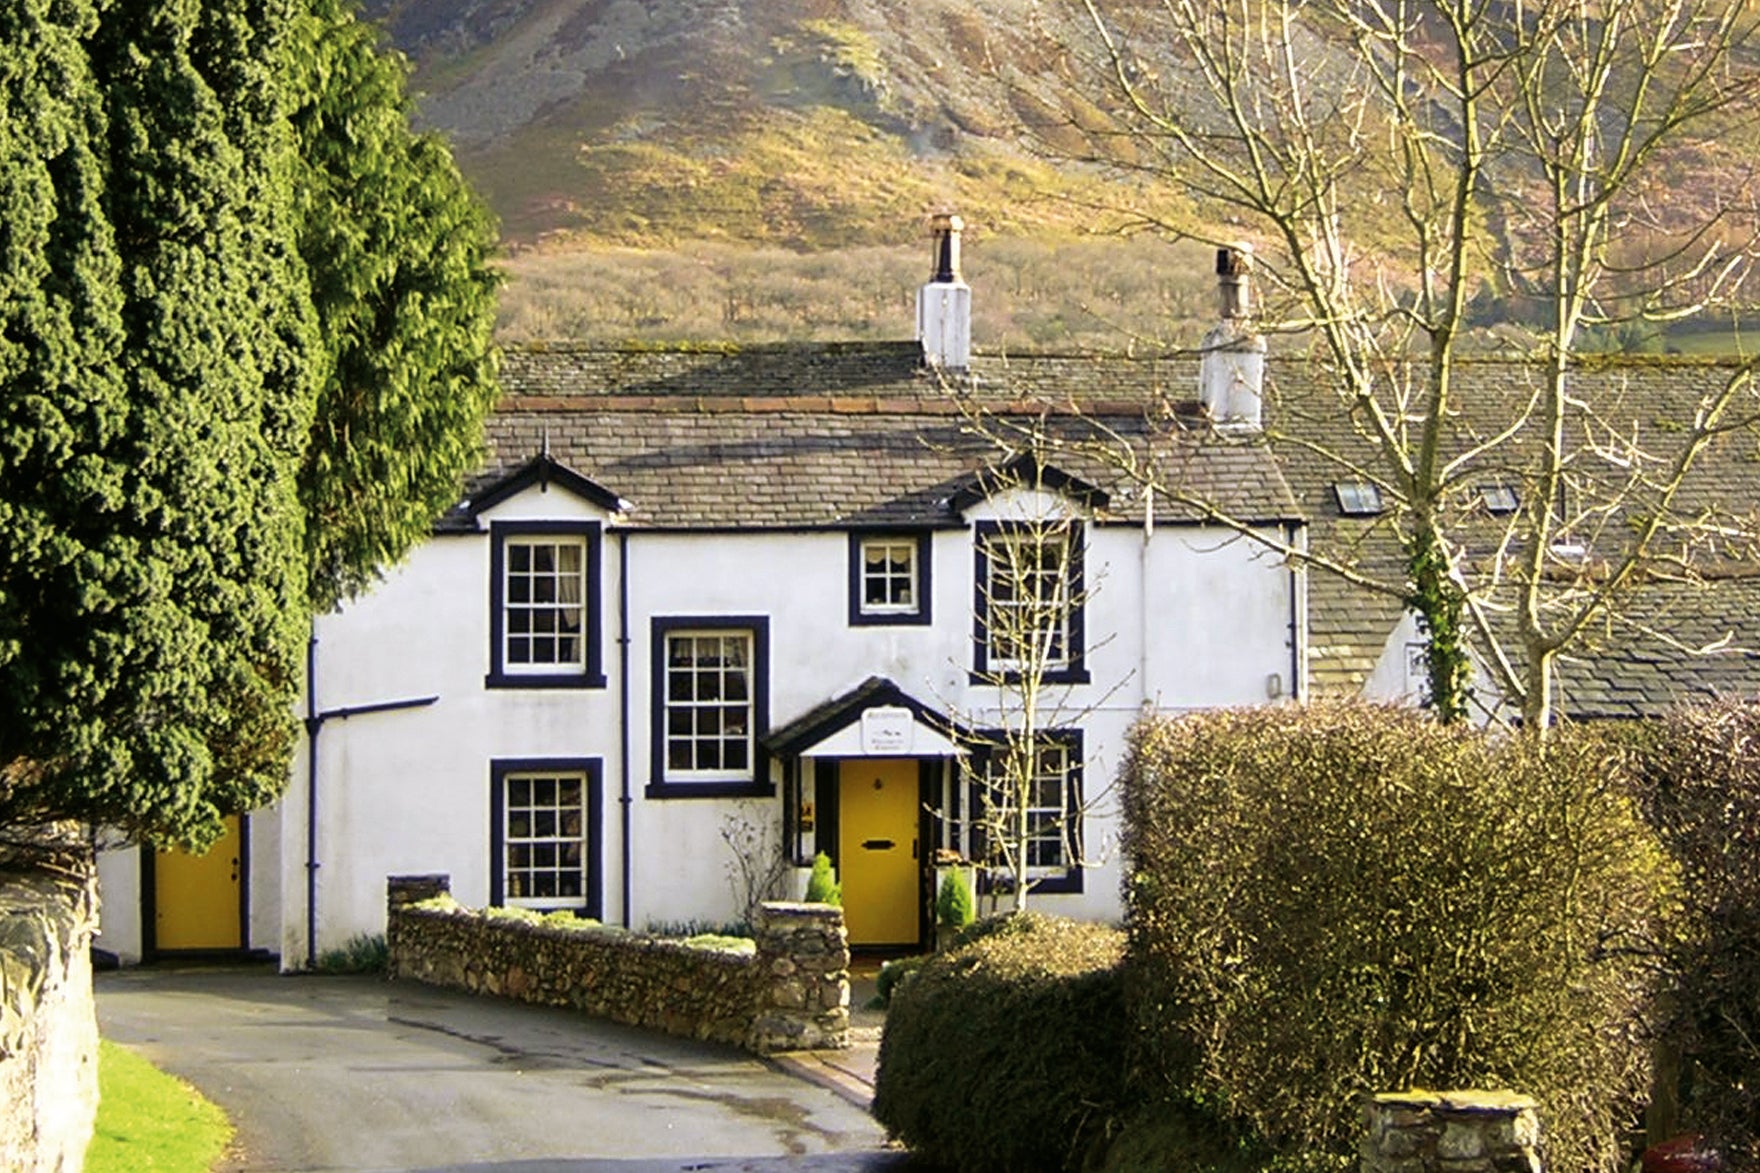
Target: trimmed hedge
<point>1702,770</point>
<point>1008,1052</point>
<point>1334,900</point>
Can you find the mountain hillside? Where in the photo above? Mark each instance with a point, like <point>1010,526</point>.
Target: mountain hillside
<point>761,169</point>
<point>804,123</point>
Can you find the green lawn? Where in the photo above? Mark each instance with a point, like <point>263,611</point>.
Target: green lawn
<point>148,1120</point>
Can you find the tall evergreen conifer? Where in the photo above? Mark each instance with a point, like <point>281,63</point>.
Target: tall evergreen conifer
<point>397,247</point>
<point>191,271</point>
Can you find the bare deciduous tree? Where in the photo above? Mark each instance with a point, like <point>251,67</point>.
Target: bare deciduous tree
<point>1030,643</point>
<point>1406,165</point>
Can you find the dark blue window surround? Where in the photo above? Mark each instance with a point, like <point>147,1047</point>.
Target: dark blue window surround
<point>699,702</point>
<point>541,857</point>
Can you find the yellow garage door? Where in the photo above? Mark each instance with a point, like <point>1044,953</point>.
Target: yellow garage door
<point>196,897</point>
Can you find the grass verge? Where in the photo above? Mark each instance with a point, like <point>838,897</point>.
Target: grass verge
<point>148,1120</point>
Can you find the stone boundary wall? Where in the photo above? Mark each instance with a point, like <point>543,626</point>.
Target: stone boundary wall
<point>792,994</point>
<point>1451,1132</point>
<point>48,1023</point>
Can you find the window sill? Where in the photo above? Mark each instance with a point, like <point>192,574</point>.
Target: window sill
<point>747,789</point>
<point>544,680</point>
<point>1067,884</point>
<point>889,619</point>
<point>1057,676</point>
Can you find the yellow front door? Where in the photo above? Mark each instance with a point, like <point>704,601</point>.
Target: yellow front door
<point>196,897</point>
<point>877,850</point>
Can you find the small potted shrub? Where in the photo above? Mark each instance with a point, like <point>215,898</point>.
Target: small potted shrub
<point>822,885</point>
<point>954,908</point>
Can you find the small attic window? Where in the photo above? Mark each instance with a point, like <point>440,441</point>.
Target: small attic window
<point>1358,498</point>
<point>1500,500</point>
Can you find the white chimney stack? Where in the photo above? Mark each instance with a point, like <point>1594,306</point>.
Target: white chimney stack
<point>1231,376</point>
<point>944,304</point>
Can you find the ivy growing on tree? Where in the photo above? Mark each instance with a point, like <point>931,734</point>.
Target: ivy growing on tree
<point>214,210</point>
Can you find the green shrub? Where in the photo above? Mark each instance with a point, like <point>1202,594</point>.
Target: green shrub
<point>1005,924</point>
<point>363,953</point>
<point>1335,900</point>
<point>894,974</point>
<point>953,903</point>
<point>822,885</point>
<point>1008,1054</point>
<point>1703,790</point>
<point>687,929</point>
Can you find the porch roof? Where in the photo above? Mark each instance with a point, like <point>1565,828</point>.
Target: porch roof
<point>830,729</point>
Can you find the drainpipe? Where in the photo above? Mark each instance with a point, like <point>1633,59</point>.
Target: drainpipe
<point>1298,617</point>
<point>1148,696</point>
<point>624,800</point>
<point>315,725</point>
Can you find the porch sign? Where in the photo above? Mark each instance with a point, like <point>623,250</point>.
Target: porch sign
<point>886,731</point>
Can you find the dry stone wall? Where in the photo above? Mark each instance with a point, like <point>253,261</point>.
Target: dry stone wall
<point>792,994</point>
<point>48,1024</point>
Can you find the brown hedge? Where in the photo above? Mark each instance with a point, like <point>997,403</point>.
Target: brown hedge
<point>1702,770</point>
<point>1334,900</point>
<point>1007,1054</point>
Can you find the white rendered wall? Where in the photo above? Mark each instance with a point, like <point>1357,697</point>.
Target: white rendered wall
<point>1193,618</point>
<point>408,791</point>
<point>119,903</point>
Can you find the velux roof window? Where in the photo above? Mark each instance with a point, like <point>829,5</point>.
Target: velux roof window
<point>1500,500</point>
<point>1358,498</point>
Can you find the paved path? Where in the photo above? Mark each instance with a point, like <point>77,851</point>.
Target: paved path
<point>334,1073</point>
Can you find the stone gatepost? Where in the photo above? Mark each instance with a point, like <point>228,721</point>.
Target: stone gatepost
<point>1451,1132</point>
<point>400,893</point>
<point>403,891</point>
<point>803,979</point>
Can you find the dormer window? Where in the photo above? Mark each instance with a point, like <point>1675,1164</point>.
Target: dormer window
<point>888,579</point>
<point>1358,498</point>
<point>1499,500</point>
<point>1029,603</point>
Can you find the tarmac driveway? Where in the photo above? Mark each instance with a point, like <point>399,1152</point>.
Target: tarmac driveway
<point>351,1073</point>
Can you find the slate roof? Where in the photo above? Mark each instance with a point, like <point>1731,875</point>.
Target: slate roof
<point>842,435</point>
<point>1632,667</point>
<point>854,435</point>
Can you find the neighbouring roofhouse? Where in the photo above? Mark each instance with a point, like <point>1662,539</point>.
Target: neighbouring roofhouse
<point>1687,627</point>
<point>705,603</point>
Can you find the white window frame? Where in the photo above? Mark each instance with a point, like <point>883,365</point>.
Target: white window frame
<point>717,703</point>
<point>557,606</point>
<point>547,835</point>
<point>1042,538</point>
<point>911,575</point>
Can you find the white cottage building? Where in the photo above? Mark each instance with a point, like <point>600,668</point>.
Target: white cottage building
<point>699,591</point>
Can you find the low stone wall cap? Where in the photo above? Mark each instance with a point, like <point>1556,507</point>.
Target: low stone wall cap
<point>796,908</point>
<point>1501,1100</point>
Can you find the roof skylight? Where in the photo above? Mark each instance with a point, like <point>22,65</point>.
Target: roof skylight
<point>1358,498</point>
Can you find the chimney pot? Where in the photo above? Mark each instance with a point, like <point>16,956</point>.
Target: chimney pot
<point>1234,268</point>
<point>945,229</point>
